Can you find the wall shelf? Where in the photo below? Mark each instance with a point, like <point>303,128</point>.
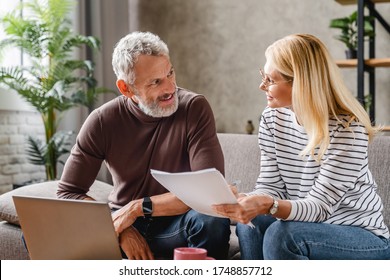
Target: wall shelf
<point>362,64</point>
<point>373,62</point>
<point>354,2</point>
<point>386,129</point>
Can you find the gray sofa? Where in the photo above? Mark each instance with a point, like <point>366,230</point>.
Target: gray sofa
<point>242,160</point>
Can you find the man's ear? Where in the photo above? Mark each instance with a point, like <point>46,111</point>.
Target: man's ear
<point>124,88</point>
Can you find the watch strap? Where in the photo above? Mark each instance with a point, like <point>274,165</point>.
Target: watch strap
<point>147,207</point>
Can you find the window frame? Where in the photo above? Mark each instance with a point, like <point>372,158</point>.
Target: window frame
<point>10,100</point>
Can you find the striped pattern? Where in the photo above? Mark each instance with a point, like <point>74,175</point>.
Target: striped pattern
<point>339,190</point>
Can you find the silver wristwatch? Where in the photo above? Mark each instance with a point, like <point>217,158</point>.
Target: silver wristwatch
<point>274,208</point>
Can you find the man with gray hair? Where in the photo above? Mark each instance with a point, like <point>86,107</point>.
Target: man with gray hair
<point>153,125</point>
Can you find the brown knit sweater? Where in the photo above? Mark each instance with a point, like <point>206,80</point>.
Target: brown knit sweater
<point>131,143</point>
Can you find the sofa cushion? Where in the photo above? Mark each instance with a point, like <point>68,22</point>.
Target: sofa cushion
<point>99,191</point>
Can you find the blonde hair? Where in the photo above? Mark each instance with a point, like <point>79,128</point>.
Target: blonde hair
<point>318,90</point>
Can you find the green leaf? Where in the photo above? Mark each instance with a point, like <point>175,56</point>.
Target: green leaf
<point>36,151</point>
<point>349,30</point>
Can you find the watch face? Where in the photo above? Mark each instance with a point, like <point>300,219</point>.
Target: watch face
<point>274,208</point>
<point>147,207</point>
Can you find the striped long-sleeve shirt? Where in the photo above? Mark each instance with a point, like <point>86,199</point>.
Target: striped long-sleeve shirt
<point>337,190</point>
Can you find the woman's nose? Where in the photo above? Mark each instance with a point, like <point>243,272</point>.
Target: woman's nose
<point>262,86</point>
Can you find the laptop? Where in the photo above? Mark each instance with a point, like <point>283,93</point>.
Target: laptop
<point>62,229</point>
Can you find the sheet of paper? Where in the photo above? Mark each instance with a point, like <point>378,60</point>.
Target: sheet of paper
<point>198,189</point>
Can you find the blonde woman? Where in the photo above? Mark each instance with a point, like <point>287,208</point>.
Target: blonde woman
<point>315,197</point>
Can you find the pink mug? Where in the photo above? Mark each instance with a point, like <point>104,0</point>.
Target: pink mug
<point>189,253</point>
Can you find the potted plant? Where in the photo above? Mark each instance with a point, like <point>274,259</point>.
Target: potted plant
<point>349,29</point>
<point>53,82</point>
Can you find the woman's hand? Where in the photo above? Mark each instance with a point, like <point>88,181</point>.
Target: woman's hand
<point>246,208</point>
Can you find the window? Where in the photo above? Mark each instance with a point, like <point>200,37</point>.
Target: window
<point>12,56</point>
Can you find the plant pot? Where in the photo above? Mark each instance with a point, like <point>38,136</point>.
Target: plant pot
<point>351,54</point>
<point>249,127</point>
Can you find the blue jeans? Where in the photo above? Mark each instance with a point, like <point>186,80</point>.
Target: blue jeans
<point>191,229</point>
<point>288,240</point>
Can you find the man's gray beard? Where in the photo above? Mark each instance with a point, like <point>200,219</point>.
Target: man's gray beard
<point>154,110</point>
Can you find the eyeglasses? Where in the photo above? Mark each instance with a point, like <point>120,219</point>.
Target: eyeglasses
<point>266,82</point>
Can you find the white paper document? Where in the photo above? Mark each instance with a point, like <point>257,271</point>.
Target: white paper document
<point>198,189</point>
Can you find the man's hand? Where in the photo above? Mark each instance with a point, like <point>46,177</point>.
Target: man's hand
<point>126,216</point>
<point>134,245</point>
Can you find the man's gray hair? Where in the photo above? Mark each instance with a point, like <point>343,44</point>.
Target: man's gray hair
<point>130,47</point>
